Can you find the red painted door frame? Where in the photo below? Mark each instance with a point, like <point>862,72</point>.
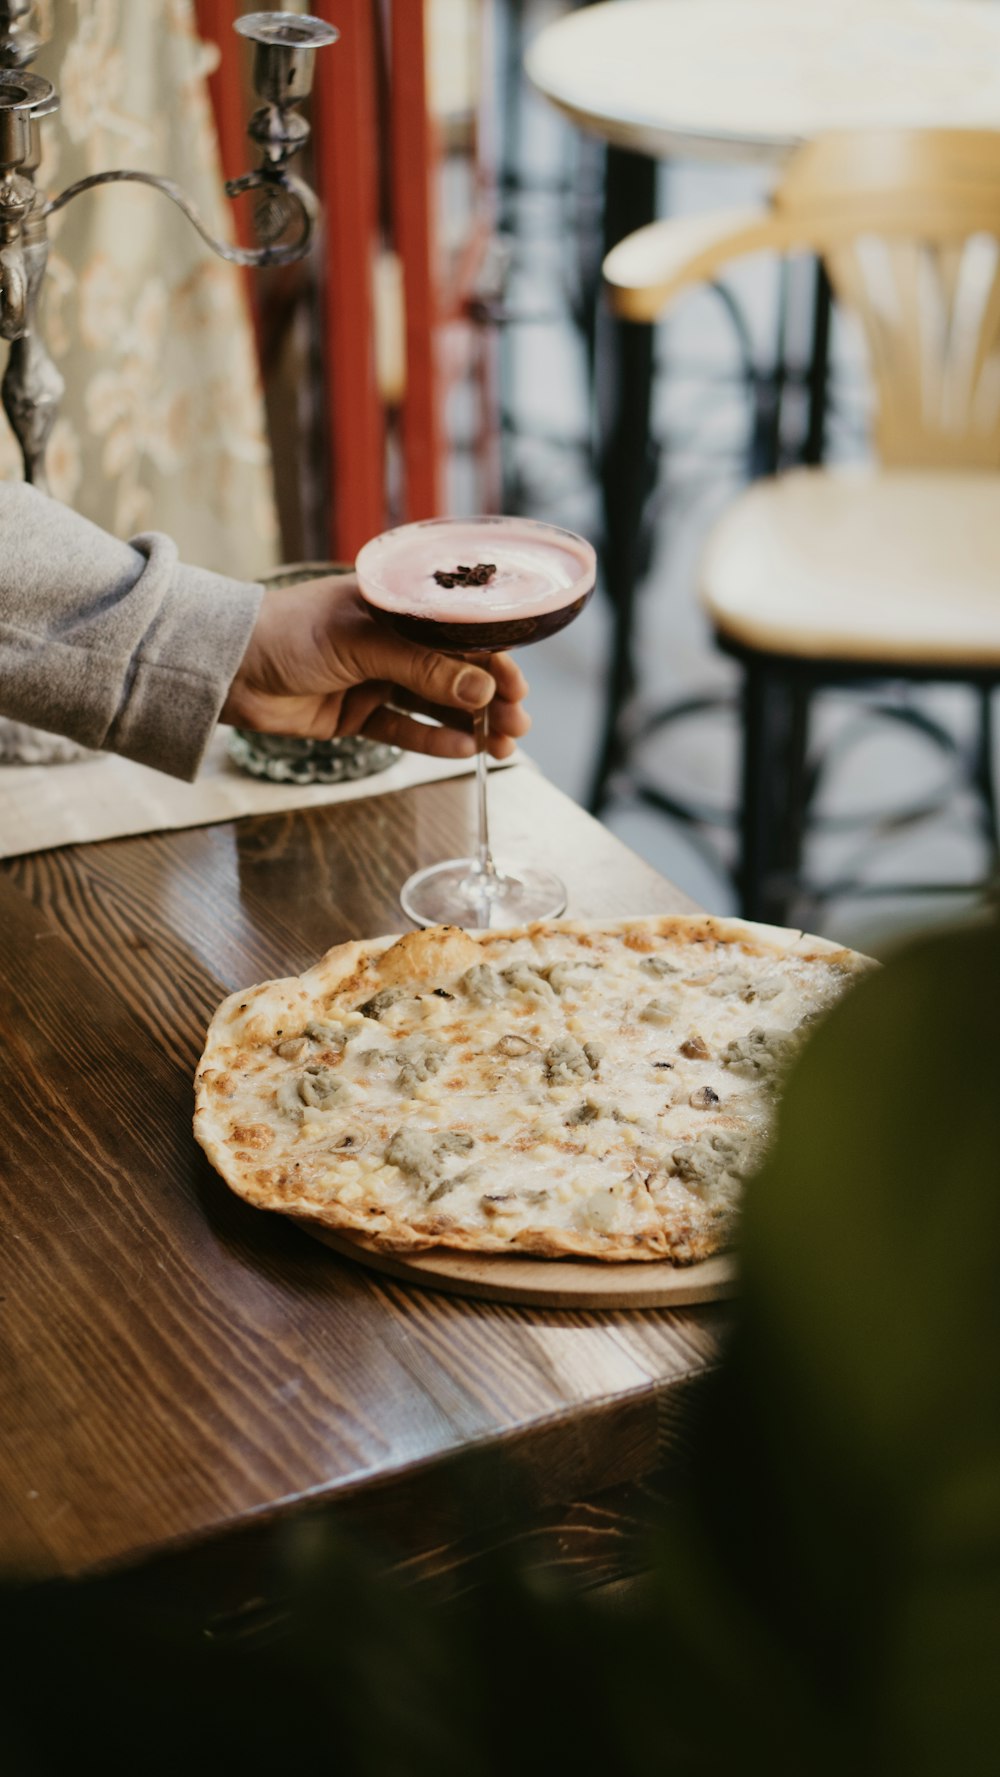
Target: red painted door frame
<point>413,156</point>
<point>345,121</point>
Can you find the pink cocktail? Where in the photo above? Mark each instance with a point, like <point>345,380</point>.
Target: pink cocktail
<point>475,586</point>
<point>539,578</point>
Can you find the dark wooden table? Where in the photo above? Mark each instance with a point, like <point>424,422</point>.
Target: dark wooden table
<point>180,1373</point>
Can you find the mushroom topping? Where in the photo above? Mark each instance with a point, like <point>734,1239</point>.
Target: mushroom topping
<point>561,976</point>
<point>512,1045</point>
<point>565,1060</point>
<point>482,985</point>
<point>715,1155</point>
<point>419,1058</point>
<point>354,1142</point>
<point>454,1141</point>
<point>327,1036</point>
<point>332,1036</point>
<point>587,1112</point>
<point>768,988</point>
<point>658,966</point>
<point>729,982</point>
<point>470,1176</point>
<point>525,978</point>
<point>320,1087</point>
<point>420,1152</point>
<point>761,1053</point>
<point>703,1099</point>
<point>380,1002</point>
<point>412,1150</point>
<point>661,1011</point>
<point>695,1048</point>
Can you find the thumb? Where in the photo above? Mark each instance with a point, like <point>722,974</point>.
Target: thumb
<point>440,678</point>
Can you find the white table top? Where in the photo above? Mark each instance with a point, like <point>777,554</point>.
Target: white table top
<point>752,78</point>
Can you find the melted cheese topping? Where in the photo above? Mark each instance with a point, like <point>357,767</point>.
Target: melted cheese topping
<point>591,1091</point>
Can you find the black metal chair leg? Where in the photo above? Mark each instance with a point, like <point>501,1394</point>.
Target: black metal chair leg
<point>984,778</point>
<point>625,483</point>
<point>764,456</point>
<point>775,733</point>
<point>814,443</point>
<point>626,460</point>
<point>792,801</point>
<point>619,686</point>
<point>755,810</point>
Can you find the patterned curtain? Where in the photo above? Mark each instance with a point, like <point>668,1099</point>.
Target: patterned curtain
<point>162,424</point>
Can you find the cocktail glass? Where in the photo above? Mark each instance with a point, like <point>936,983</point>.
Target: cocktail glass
<point>472,587</point>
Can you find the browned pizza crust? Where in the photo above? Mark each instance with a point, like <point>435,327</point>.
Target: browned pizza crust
<point>354,1094</point>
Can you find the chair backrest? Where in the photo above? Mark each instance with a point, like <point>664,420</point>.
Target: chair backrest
<point>908,224</point>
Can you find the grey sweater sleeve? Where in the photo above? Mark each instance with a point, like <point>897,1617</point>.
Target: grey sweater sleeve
<point>115,645</point>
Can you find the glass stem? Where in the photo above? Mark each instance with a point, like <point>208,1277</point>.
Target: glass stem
<point>481,730</point>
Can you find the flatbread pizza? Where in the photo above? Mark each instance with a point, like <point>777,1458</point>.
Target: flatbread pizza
<point>567,1089</point>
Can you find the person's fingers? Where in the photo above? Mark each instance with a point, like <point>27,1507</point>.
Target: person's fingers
<point>388,722</point>
<point>510,680</point>
<point>378,654</point>
<point>364,704</point>
<point>504,718</point>
<point>506,721</point>
<point>361,702</point>
<point>500,746</point>
<point>418,737</point>
<point>430,738</point>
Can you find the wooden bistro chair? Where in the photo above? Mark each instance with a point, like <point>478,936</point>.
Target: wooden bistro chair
<point>831,577</point>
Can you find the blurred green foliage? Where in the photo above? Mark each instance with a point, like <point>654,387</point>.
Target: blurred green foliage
<point>825,1597</point>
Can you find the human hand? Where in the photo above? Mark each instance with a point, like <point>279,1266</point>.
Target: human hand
<point>319,663</point>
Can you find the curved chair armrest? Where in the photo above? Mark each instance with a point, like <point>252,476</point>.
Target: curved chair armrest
<point>650,267</point>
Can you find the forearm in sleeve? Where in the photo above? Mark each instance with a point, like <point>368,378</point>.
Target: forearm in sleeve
<point>116,645</point>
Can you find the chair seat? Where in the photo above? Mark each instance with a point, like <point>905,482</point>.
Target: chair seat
<point>900,567</point>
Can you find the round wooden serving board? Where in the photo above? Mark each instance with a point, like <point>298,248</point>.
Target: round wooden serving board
<point>542,1283</point>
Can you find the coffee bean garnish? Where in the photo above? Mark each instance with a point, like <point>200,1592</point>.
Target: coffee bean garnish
<point>463,575</point>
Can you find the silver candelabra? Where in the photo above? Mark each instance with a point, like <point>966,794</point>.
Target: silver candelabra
<point>285,208</point>
<point>285,215</point>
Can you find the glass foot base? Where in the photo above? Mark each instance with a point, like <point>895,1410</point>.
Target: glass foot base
<point>458,893</point>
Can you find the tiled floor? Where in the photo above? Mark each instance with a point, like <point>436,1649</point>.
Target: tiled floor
<point>701,413</point>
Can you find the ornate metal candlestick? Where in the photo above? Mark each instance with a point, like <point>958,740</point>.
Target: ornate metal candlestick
<point>285,215</point>
<point>285,211</point>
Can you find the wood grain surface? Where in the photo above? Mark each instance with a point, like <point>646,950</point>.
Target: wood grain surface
<point>176,1364</point>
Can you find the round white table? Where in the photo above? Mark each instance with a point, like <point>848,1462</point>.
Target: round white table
<point>751,78</point>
